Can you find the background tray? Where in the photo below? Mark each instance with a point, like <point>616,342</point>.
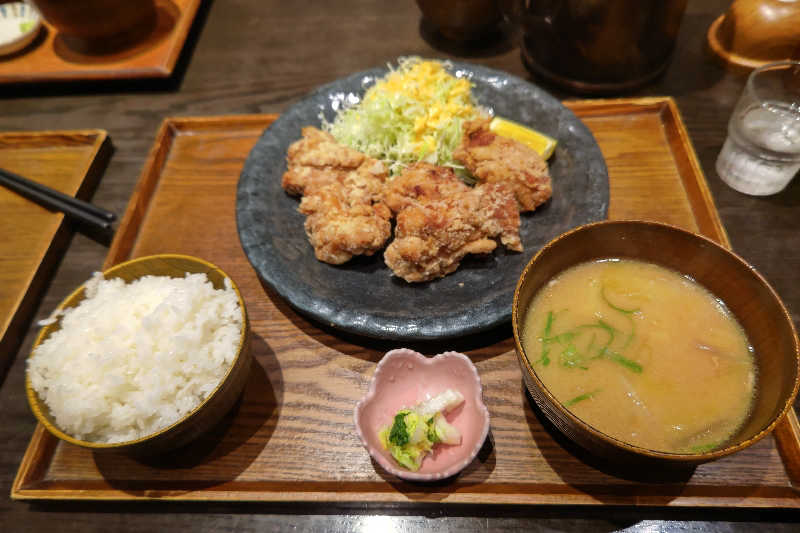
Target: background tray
<point>291,437</point>
<point>32,238</point>
<point>48,58</point>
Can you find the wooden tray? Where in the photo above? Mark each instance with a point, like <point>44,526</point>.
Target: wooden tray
<point>33,238</point>
<point>291,437</point>
<point>49,58</point>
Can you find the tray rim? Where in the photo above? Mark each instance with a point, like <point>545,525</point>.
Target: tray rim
<point>98,141</point>
<point>786,434</point>
<point>161,67</point>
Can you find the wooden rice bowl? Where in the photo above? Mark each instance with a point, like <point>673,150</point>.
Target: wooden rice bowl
<point>203,417</point>
<point>746,293</point>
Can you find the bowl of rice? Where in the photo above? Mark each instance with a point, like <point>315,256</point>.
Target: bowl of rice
<point>142,358</point>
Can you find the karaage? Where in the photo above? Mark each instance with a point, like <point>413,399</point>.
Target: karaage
<point>492,158</point>
<point>440,220</point>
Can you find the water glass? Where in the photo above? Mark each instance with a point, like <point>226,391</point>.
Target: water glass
<point>761,154</point>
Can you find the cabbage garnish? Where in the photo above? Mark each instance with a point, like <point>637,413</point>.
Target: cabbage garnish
<point>414,432</point>
<point>414,113</point>
<point>444,402</point>
<point>444,431</point>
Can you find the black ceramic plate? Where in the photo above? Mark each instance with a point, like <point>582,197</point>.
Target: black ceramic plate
<point>362,296</point>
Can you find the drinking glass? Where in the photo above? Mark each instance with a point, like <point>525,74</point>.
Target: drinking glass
<point>761,154</point>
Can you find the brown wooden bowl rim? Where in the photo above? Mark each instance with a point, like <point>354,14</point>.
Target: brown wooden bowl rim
<point>731,58</point>
<point>37,405</point>
<point>673,457</point>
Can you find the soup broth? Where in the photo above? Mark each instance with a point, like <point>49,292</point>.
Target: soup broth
<point>642,354</point>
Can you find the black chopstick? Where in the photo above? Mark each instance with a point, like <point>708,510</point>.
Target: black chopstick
<point>52,199</point>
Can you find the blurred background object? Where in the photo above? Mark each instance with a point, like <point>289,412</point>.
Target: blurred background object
<point>99,26</point>
<point>755,32</point>
<point>597,46</point>
<point>19,26</point>
<point>462,20</point>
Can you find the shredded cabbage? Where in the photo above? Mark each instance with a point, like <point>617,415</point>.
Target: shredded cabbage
<point>414,113</point>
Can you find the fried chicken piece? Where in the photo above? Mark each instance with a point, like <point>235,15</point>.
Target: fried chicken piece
<point>342,192</point>
<point>493,158</point>
<point>499,214</point>
<point>422,183</point>
<point>297,178</point>
<point>432,237</point>
<point>346,216</point>
<point>340,226</point>
<point>317,159</point>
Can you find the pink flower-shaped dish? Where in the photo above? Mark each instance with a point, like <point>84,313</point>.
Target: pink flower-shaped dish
<point>404,378</point>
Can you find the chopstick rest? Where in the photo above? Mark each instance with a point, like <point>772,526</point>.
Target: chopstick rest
<point>73,208</point>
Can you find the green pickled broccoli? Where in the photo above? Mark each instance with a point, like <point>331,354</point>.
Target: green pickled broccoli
<point>414,431</point>
<point>399,435</point>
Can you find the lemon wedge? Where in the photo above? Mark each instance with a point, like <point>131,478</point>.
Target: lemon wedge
<point>539,142</point>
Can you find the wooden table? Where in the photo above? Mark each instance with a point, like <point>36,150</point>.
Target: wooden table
<point>260,56</point>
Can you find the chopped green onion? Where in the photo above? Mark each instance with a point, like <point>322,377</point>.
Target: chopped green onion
<point>549,323</point>
<point>545,359</point>
<point>581,398</point>
<point>624,361</point>
<point>563,338</point>
<point>614,307</point>
<point>703,448</point>
<point>610,329</point>
<point>570,358</point>
<point>632,333</point>
<point>626,312</point>
<point>591,344</point>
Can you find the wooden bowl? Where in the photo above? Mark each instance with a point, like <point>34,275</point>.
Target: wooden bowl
<point>747,294</point>
<point>752,33</point>
<point>201,418</point>
<point>99,26</point>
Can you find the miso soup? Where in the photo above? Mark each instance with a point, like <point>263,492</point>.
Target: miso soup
<point>642,354</point>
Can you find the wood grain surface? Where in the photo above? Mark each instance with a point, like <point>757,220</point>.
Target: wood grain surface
<point>291,438</point>
<point>52,58</point>
<point>260,56</point>
<point>32,238</point>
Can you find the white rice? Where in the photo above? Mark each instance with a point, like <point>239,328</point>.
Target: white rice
<point>134,358</point>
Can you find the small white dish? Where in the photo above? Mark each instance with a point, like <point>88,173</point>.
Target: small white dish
<point>19,25</point>
<point>402,379</point>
